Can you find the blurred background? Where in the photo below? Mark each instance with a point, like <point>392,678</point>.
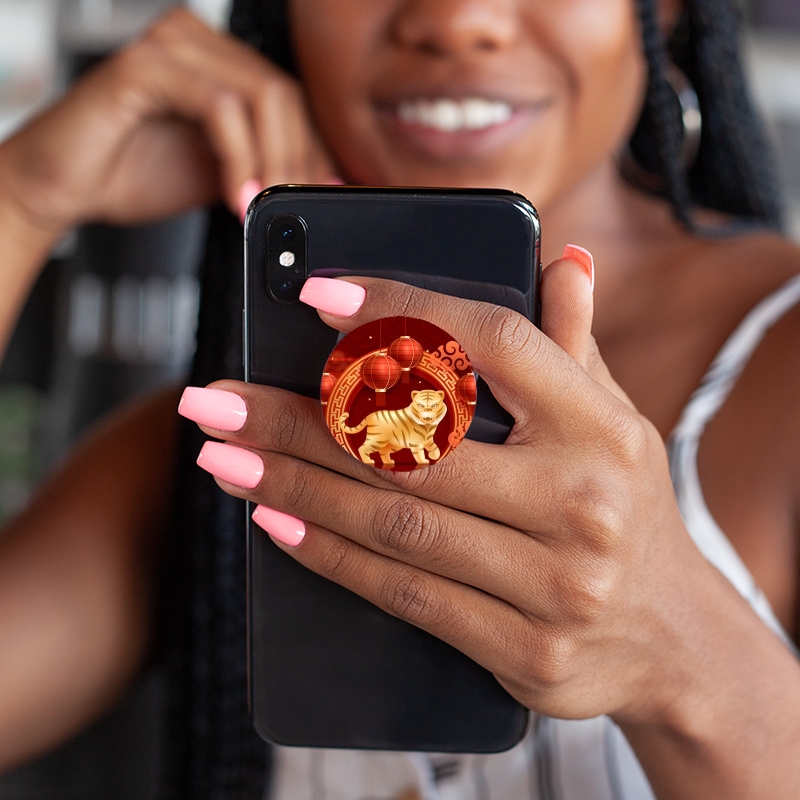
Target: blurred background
<point>114,314</point>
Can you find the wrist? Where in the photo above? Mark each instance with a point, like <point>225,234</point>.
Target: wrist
<point>724,718</point>
<point>25,244</point>
<point>23,236</point>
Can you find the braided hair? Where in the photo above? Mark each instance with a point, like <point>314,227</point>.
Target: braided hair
<point>733,172</point>
<point>211,748</point>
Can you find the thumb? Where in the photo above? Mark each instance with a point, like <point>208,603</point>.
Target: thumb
<point>567,310</point>
<point>568,304</point>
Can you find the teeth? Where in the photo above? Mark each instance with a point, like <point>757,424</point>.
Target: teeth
<point>448,115</point>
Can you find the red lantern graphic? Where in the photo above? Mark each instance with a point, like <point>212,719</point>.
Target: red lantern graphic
<point>326,387</point>
<point>407,352</point>
<point>380,372</point>
<point>467,389</point>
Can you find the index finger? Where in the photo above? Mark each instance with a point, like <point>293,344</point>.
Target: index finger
<point>524,369</point>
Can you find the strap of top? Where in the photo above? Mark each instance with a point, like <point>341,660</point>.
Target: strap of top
<point>683,444</point>
<point>726,368</point>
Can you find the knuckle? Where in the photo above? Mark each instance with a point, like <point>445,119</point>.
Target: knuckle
<point>287,427</point>
<point>299,489</point>
<point>594,361</point>
<point>594,513</point>
<point>167,27</point>
<point>131,60</point>
<point>409,300</point>
<point>552,663</point>
<point>588,593</point>
<point>273,92</point>
<point>511,333</point>
<point>334,560</point>
<point>411,597</point>
<point>405,525</point>
<point>627,438</point>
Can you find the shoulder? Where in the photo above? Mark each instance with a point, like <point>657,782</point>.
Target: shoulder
<point>732,275</point>
<point>749,458</point>
<point>762,272</point>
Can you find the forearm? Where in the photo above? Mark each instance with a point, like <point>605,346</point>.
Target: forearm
<point>77,575</point>
<point>733,730</point>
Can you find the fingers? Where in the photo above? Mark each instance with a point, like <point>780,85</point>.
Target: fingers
<point>514,485</point>
<point>286,147</point>
<point>406,528</point>
<point>449,610</point>
<point>251,114</point>
<point>531,377</point>
<point>169,87</point>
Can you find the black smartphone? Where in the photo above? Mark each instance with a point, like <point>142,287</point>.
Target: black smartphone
<point>327,668</point>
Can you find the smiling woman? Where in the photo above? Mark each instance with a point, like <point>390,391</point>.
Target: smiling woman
<point>545,89</point>
<point>646,632</point>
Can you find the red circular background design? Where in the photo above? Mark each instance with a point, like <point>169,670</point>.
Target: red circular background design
<point>441,364</point>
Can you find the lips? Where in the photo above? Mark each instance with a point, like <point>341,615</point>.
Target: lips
<point>449,115</point>
<point>466,127</point>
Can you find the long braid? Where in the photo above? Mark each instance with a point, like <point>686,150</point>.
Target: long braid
<point>733,171</point>
<point>656,143</point>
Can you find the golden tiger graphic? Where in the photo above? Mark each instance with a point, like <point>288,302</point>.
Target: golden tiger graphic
<point>413,427</point>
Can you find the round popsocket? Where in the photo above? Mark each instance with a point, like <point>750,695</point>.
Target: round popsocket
<point>398,393</point>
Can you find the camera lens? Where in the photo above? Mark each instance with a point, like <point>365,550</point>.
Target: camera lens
<point>286,257</point>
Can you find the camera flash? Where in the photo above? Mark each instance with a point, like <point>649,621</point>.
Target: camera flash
<point>286,258</point>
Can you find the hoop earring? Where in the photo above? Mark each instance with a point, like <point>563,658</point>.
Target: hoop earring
<point>691,120</point>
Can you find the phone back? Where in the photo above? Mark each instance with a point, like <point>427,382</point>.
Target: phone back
<point>327,668</point>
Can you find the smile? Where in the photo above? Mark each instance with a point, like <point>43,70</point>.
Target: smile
<point>449,116</point>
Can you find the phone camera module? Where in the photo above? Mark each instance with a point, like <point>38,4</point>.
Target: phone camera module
<point>286,257</point>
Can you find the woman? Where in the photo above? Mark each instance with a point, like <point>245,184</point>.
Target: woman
<point>581,583</point>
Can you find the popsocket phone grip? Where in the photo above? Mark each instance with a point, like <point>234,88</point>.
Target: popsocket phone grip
<point>398,393</point>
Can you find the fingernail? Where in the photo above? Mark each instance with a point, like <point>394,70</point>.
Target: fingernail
<point>334,296</point>
<point>283,527</point>
<point>250,188</point>
<point>216,408</point>
<point>580,255</point>
<point>232,464</point>
<point>334,180</point>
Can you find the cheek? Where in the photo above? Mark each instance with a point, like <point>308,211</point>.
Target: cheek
<point>610,73</point>
<point>333,40</point>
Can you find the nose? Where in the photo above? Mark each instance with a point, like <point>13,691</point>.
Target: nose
<point>452,27</point>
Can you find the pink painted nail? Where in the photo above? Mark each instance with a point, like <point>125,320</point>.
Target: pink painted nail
<point>580,255</point>
<point>334,180</point>
<point>232,464</point>
<point>249,190</point>
<point>341,298</point>
<point>215,408</point>
<point>283,527</point>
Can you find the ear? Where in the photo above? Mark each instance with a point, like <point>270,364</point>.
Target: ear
<point>413,395</point>
<point>441,395</point>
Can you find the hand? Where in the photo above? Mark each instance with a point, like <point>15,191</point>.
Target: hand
<point>551,559</point>
<point>177,119</point>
